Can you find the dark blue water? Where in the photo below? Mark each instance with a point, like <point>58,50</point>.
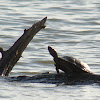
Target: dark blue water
<point>73,28</point>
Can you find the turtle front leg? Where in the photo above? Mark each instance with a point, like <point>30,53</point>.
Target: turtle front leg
<point>57,69</point>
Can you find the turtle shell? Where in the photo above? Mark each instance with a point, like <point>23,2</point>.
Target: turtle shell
<point>76,64</point>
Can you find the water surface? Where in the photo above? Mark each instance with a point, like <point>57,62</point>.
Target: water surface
<point>73,28</point>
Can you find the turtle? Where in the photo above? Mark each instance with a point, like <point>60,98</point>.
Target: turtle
<point>68,64</point>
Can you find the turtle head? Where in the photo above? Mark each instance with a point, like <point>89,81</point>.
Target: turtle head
<point>52,52</point>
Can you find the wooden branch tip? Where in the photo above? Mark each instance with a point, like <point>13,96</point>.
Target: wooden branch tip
<point>12,55</point>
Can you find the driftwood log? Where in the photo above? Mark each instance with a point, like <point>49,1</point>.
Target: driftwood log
<point>12,55</point>
<point>62,78</point>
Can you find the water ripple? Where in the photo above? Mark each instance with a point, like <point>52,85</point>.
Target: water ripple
<point>73,28</point>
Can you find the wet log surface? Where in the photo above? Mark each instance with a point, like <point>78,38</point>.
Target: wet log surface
<point>12,55</point>
<point>53,78</point>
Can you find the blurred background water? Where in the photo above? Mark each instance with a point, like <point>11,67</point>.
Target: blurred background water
<point>73,28</point>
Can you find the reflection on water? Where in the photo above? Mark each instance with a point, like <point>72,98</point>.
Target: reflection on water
<point>73,28</point>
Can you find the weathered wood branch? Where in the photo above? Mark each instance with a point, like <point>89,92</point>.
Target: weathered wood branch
<point>12,55</point>
<point>62,78</point>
